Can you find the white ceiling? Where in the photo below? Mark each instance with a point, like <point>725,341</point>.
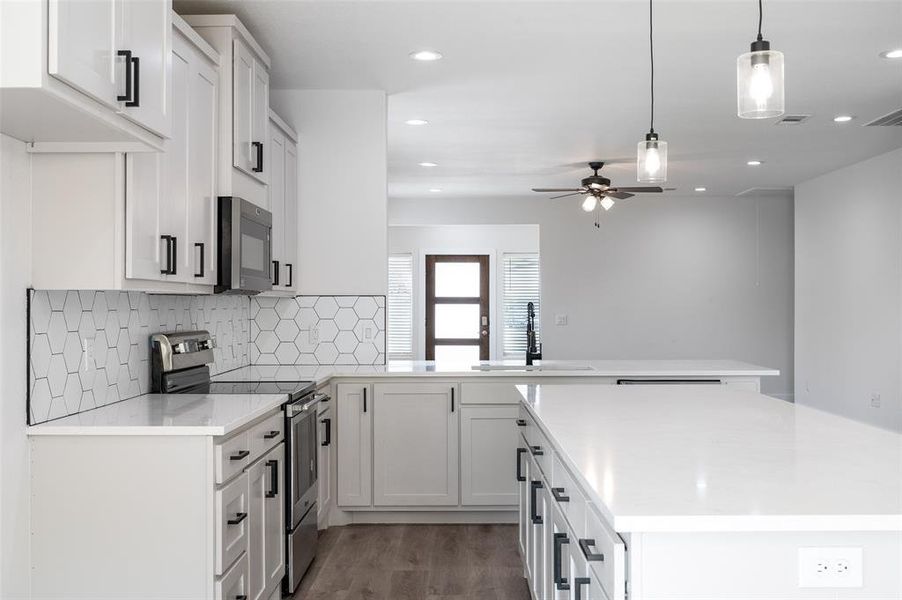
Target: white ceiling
<point>528,89</point>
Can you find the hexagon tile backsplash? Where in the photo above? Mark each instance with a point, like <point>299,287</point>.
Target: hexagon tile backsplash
<point>318,330</point>
<point>118,325</point>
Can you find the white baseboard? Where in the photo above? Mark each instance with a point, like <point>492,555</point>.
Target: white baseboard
<point>339,517</point>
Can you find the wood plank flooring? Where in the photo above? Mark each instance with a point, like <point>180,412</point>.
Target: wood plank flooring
<point>416,562</point>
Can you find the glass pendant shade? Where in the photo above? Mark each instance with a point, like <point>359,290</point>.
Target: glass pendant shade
<point>651,161</point>
<point>589,203</point>
<point>759,82</point>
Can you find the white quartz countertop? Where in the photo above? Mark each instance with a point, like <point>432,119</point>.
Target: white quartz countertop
<point>675,458</point>
<point>516,369</point>
<point>167,414</point>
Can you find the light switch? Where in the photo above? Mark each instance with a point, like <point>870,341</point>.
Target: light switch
<point>560,320</point>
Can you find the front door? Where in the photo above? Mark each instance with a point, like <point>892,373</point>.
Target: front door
<point>457,308</point>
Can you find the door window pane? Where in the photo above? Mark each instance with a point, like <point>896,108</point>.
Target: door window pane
<point>459,279</point>
<point>463,355</point>
<point>457,321</point>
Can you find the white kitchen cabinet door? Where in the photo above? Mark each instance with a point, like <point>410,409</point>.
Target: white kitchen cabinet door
<point>174,200</point>
<point>415,456</point>
<point>535,544</point>
<point>354,435</point>
<point>202,138</point>
<point>290,241</point>
<point>81,40</point>
<point>560,543</point>
<point>276,189</point>
<point>260,119</point>
<point>144,250</point>
<point>244,154</point>
<point>520,470</point>
<point>488,443</point>
<point>266,547</point>
<point>324,465</point>
<point>144,28</point>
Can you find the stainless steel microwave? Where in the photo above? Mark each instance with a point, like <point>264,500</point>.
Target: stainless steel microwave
<point>244,240</point>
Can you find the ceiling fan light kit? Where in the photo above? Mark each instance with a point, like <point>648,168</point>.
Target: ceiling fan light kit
<point>651,158</point>
<point>759,79</point>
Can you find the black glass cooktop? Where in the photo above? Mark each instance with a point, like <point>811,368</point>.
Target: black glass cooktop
<point>294,389</point>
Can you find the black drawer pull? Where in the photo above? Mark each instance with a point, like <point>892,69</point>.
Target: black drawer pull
<point>364,398</point>
<point>520,475</point>
<point>271,434</point>
<point>584,545</point>
<point>135,99</point>
<point>452,398</point>
<point>273,478</point>
<point>201,246</point>
<point>580,581</point>
<point>559,495</point>
<point>521,422</point>
<point>168,270</point>
<point>239,517</point>
<point>559,540</point>
<point>290,275</point>
<point>533,516</point>
<point>241,455</point>
<point>537,450</point>
<point>259,166</point>
<point>241,597</point>
<point>328,438</point>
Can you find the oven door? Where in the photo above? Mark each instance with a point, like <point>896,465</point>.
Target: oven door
<point>303,469</point>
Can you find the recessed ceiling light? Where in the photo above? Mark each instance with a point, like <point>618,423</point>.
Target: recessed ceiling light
<point>753,163</point>
<point>842,118</point>
<point>416,122</point>
<point>426,55</point>
<point>428,164</point>
<point>435,190</point>
<point>895,53</point>
<point>701,189</point>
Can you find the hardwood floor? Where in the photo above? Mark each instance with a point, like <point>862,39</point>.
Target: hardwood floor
<point>416,562</point>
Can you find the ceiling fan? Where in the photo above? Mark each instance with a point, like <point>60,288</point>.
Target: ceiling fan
<point>598,188</point>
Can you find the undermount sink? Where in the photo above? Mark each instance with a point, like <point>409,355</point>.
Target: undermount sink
<point>554,367</point>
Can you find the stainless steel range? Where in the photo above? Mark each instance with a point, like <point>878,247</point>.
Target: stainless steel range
<point>180,364</point>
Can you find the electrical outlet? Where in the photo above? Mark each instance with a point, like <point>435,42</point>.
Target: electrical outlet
<point>831,567</point>
<point>367,333</point>
<point>313,335</point>
<point>875,400</point>
<point>87,354</point>
<point>560,320</point>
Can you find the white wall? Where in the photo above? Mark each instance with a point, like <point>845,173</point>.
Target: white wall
<point>491,240</point>
<point>849,291</point>
<point>342,189</point>
<point>665,277</point>
<point>15,185</point>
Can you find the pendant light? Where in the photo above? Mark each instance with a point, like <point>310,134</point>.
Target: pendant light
<point>759,79</point>
<point>651,161</point>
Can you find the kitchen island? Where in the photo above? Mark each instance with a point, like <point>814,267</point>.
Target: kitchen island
<point>692,492</point>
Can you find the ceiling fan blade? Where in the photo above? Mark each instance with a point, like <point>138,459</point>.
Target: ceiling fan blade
<point>565,195</point>
<point>555,189</point>
<point>618,194</point>
<point>638,189</point>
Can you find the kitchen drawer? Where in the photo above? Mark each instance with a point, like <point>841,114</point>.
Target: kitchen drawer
<point>232,525</point>
<point>574,508</point>
<point>489,393</point>
<point>601,540</point>
<point>265,435</point>
<point>539,446</point>
<point>234,584</point>
<point>231,456</point>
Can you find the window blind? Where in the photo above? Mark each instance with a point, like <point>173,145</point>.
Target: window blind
<point>400,306</point>
<point>521,285</point>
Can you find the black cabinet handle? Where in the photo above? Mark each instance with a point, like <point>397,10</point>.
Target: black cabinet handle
<point>290,275</point>
<point>135,99</point>
<point>273,478</point>
<point>521,422</point>
<point>452,398</point>
<point>559,495</point>
<point>580,581</point>
<point>259,167</point>
<point>175,255</point>
<point>364,399</point>
<point>271,434</point>
<point>239,517</point>
<point>533,488</point>
<point>328,437</point>
<point>536,451</point>
<point>275,272</point>
<point>520,475</point>
<point>559,540</point>
<point>127,97</point>
<point>584,545</point>
<point>241,597</point>
<point>202,261</point>
<point>168,240</point>
<point>240,455</point>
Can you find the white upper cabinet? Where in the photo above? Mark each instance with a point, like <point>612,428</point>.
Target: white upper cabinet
<point>244,107</point>
<point>86,71</point>
<point>283,203</point>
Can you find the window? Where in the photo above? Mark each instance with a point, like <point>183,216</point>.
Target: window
<point>520,286</point>
<point>400,306</point>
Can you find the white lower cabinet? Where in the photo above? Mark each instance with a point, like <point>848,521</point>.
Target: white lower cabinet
<point>234,584</point>
<point>415,462</point>
<point>488,440</point>
<point>266,543</point>
<point>232,511</point>
<point>354,433</point>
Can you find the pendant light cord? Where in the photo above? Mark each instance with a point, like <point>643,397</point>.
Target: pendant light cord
<point>651,53</point>
<point>760,18</point>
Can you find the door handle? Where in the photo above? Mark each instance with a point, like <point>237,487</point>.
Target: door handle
<point>201,246</point>
<point>559,540</point>
<point>520,475</point>
<point>364,399</point>
<point>258,168</point>
<point>584,545</point>
<point>290,275</point>
<point>534,517</point>
<point>135,99</point>
<point>273,478</point>
<point>168,240</point>
<point>275,272</point>
<point>175,255</point>
<point>328,438</point>
<point>452,398</point>
<point>127,97</point>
